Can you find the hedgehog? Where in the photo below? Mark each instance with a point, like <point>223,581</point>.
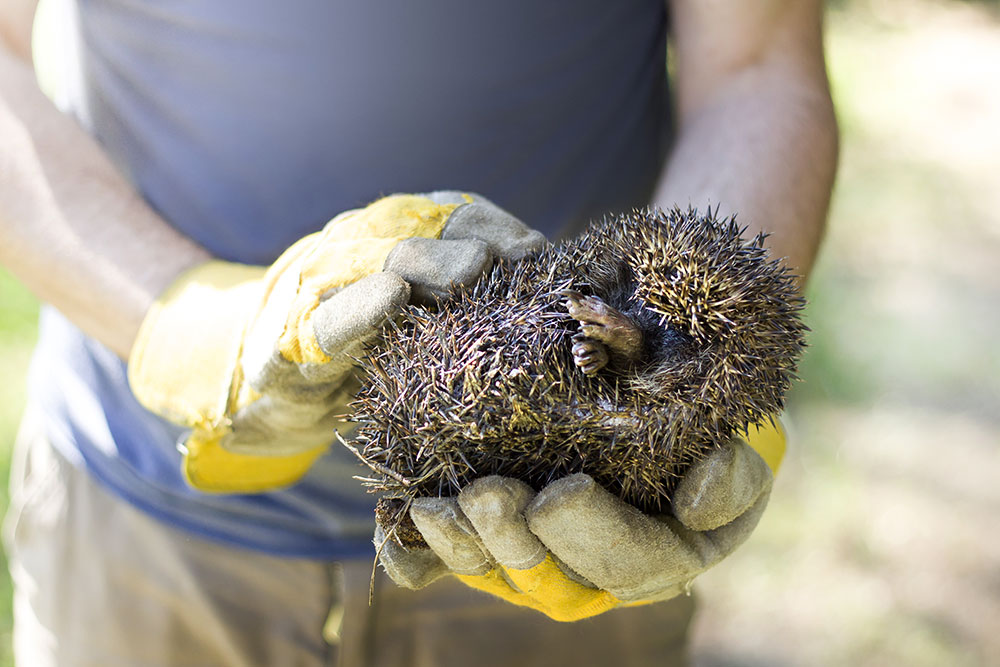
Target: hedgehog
<point>626,353</point>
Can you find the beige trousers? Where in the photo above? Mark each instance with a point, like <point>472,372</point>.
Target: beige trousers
<point>98,583</point>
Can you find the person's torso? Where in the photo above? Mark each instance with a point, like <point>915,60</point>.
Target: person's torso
<point>249,124</point>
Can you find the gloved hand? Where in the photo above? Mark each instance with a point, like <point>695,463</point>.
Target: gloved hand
<point>257,360</point>
<point>573,550</point>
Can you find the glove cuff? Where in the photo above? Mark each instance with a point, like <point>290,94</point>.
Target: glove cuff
<point>184,358</point>
<point>211,469</point>
<point>768,439</point>
<point>184,366</point>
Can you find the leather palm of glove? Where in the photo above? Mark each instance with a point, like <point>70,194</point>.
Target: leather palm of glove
<point>258,361</point>
<point>574,550</point>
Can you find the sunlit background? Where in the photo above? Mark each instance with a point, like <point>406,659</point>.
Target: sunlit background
<point>882,542</point>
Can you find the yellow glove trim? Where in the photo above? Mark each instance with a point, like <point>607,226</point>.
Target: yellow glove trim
<point>544,588</point>
<point>353,245</point>
<point>769,440</point>
<point>182,369</point>
<point>210,468</point>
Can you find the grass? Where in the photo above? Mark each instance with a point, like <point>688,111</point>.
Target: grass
<point>18,318</point>
<point>882,541</point>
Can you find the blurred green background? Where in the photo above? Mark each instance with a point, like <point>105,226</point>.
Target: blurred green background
<point>881,545</point>
<point>882,542</point>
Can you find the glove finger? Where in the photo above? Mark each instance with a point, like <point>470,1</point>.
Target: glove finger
<point>410,568</point>
<point>495,505</point>
<point>279,377</point>
<point>433,267</point>
<point>263,365</point>
<point>450,535</point>
<point>443,197</point>
<point>721,487</point>
<point>714,545</point>
<point>727,538</point>
<point>285,380</point>
<point>275,426</point>
<point>341,323</point>
<point>609,542</point>
<point>356,314</point>
<point>507,237</point>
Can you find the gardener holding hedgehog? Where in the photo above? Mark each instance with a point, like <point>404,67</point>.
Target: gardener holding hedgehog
<point>173,195</point>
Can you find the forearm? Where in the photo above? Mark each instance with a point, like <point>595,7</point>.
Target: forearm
<point>757,137</point>
<point>71,227</point>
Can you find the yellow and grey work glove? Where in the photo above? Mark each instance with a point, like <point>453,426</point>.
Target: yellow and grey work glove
<point>257,360</point>
<point>574,550</point>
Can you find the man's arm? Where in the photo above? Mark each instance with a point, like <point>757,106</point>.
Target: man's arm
<point>757,133</point>
<point>72,229</point>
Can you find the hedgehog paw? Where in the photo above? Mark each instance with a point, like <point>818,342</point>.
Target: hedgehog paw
<point>589,355</point>
<point>600,322</point>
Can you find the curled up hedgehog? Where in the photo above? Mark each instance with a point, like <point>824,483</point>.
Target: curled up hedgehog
<point>626,353</point>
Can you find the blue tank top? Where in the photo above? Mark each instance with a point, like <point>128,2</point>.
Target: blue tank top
<point>248,124</point>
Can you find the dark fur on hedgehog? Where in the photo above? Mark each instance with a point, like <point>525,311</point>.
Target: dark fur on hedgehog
<point>490,383</point>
